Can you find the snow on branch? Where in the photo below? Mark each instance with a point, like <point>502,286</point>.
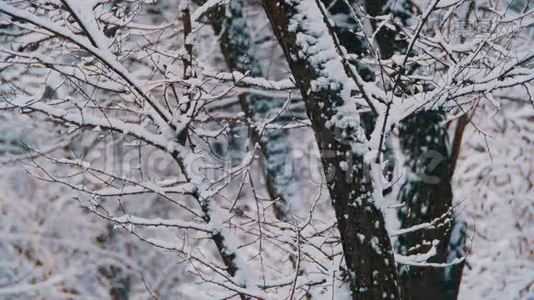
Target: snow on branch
<point>243,80</point>
<point>83,12</point>
<point>88,119</point>
<point>440,221</point>
<point>176,160</point>
<point>156,222</point>
<point>420,260</point>
<point>103,55</point>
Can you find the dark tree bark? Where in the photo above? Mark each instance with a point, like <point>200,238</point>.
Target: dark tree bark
<point>427,192</point>
<point>366,245</point>
<point>427,196</point>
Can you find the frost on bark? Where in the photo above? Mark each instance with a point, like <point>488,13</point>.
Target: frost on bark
<point>427,196</point>
<point>349,32</point>
<point>325,87</point>
<point>427,193</point>
<point>240,55</point>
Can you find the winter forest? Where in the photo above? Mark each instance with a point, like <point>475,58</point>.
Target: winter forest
<point>267,149</point>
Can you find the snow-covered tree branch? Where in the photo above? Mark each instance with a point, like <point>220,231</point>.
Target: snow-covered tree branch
<point>288,149</point>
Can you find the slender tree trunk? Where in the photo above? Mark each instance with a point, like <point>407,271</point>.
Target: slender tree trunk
<point>240,55</point>
<point>307,42</point>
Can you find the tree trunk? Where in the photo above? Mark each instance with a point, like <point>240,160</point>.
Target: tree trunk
<point>240,55</point>
<point>309,49</point>
<point>427,193</point>
<point>427,196</point>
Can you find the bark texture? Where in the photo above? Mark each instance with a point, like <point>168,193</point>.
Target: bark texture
<point>427,196</point>
<point>366,245</point>
<point>427,192</point>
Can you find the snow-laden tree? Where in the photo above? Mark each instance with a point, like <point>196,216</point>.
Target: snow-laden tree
<point>140,102</point>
